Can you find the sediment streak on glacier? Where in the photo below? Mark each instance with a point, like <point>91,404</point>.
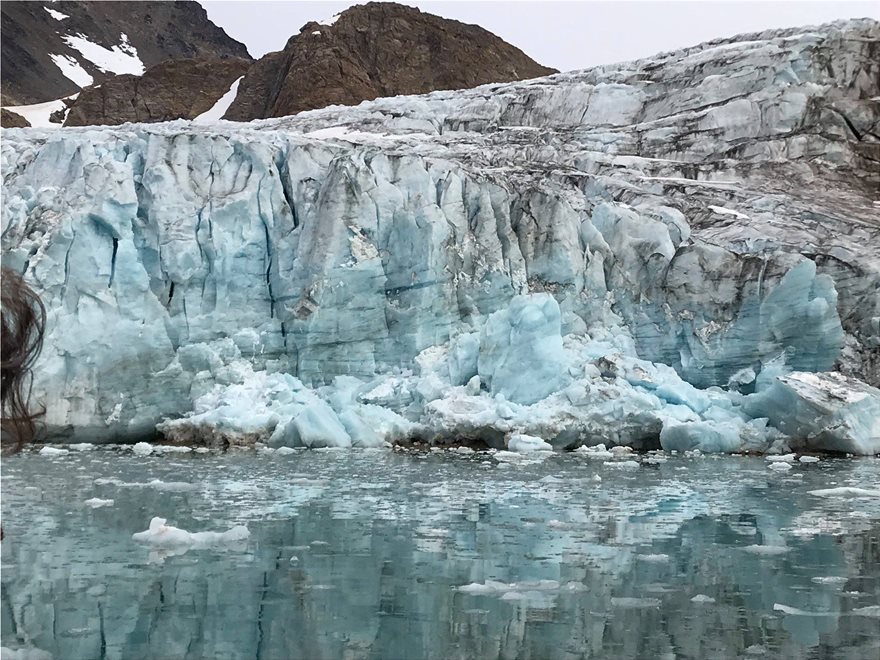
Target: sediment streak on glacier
<point>638,253</point>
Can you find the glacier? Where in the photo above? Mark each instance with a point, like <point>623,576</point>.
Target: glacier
<point>678,252</point>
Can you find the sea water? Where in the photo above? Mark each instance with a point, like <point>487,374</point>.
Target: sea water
<point>441,554</point>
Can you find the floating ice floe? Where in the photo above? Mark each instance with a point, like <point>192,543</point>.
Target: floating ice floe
<point>97,502</point>
<point>794,611</point>
<point>492,587</point>
<point>142,449</point>
<point>767,550</point>
<point>160,535</point>
<point>519,442</point>
<point>872,611</point>
<point>635,603</point>
<point>53,451</point>
<point>845,491</point>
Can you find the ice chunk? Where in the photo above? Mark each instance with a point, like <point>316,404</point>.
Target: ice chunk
<point>794,611</point>
<point>316,426</point>
<point>824,411</point>
<point>705,436</point>
<point>522,443</point>
<point>767,550</point>
<point>53,451</point>
<point>521,353</point>
<point>463,354</point>
<point>97,502</point>
<point>142,449</point>
<point>653,559</point>
<point>161,535</point>
<point>845,491</point>
<point>627,465</point>
<point>635,603</point>
<point>81,446</point>
<point>24,653</point>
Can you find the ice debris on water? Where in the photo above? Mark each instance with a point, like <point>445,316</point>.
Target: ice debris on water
<point>142,449</point>
<point>53,451</point>
<point>846,491</point>
<point>160,535</point>
<point>653,559</point>
<point>767,550</point>
<point>795,611</point>
<point>522,443</point>
<point>635,603</point>
<point>505,590</point>
<point>97,502</point>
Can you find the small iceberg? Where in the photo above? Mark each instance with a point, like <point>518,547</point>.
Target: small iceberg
<point>53,451</point>
<point>160,535</point>
<point>97,502</point>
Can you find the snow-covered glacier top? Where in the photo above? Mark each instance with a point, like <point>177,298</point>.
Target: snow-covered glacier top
<point>660,251</point>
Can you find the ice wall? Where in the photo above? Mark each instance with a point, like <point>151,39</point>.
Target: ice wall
<point>709,210</point>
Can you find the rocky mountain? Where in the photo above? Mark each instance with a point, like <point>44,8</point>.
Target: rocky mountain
<point>372,50</point>
<point>9,119</point>
<point>677,252</point>
<point>174,89</point>
<point>50,50</point>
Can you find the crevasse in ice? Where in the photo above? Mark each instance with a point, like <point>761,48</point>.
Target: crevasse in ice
<point>681,251</point>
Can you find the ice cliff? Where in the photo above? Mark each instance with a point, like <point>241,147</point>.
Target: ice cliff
<point>682,252</point>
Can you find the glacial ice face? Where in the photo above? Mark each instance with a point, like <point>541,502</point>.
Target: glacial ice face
<point>521,355</point>
<point>693,217</point>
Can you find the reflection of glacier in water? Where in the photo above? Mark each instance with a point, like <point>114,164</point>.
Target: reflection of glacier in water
<point>452,554</point>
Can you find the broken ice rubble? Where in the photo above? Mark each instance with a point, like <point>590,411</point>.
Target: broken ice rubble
<point>601,392</point>
<point>160,535</point>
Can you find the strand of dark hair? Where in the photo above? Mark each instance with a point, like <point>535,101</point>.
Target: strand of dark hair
<point>23,323</point>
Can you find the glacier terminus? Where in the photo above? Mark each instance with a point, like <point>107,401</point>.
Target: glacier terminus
<point>681,252</point>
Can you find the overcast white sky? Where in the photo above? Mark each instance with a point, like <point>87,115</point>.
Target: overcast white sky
<point>564,35</point>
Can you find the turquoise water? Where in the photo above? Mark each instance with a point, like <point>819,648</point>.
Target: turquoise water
<point>408,554</point>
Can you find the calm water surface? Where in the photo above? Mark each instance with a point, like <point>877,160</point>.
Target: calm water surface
<point>447,555</point>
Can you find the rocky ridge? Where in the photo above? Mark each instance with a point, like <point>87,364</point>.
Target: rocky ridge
<point>44,43</point>
<point>367,51</point>
<point>372,50</point>
<point>174,89</point>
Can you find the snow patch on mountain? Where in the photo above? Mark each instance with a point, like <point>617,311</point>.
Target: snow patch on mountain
<point>121,58</point>
<point>57,15</point>
<point>72,70</point>
<point>38,114</point>
<point>216,112</point>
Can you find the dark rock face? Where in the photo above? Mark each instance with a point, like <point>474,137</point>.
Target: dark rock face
<point>175,89</point>
<point>158,30</point>
<point>373,50</point>
<point>9,119</point>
